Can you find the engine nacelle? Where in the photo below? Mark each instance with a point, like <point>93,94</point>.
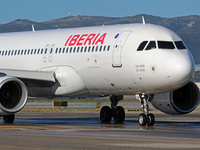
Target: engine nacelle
<point>13,95</point>
<point>181,101</point>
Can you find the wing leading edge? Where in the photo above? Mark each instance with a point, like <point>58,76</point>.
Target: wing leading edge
<point>32,78</point>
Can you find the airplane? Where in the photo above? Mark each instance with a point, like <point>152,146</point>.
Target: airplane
<point>149,61</point>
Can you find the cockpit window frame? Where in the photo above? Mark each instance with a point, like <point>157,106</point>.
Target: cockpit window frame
<point>178,46</point>
<point>149,45</point>
<point>142,45</point>
<point>161,44</point>
<point>166,45</point>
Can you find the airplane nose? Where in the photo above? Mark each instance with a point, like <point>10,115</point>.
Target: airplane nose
<point>180,68</point>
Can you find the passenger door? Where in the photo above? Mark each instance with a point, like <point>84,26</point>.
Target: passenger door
<point>118,47</point>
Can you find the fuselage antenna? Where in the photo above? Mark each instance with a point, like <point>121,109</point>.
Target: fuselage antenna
<point>33,29</point>
<point>143,21</point>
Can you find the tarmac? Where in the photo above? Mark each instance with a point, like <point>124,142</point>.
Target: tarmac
<point>37,128</point>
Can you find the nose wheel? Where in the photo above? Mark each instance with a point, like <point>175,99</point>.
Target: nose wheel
<point>145,118</point>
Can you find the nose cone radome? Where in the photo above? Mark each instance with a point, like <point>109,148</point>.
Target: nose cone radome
<point>180,69</point>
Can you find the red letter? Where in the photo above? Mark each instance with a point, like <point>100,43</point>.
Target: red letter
<point>101,39</point>
<point>89,39</point>
<point>81,39</point>
<point>73,40</point>
<point>95,39</point>
<point>68,40</point>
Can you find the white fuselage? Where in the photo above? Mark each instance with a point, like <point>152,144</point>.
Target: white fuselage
<point>113,67</point>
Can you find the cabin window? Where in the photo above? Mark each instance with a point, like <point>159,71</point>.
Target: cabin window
<point>89,49</point>
<point>38,51</point>
<point>74,50</point>
<point>63,49</point>
<point>85,49</point>
<point>93,49</point>
<point>60,50</point>
<point>108,48</point>
<point>96,48</point>
<point>81,49</point>
<point>78,49</point>
<point>142,45</point>
<point>100,48</point>
<point>51,51</point>
<point>180,45</point>
<point>104,49</point>
<point>45,51</point>
<point>70,49</point>
<point>166,45</point>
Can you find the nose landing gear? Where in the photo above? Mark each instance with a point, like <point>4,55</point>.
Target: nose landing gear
<point>145,117</point>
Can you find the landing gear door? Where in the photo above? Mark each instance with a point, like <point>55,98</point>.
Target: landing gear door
<point>118,47</point>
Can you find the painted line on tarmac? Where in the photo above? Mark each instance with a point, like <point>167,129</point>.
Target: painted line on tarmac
<point>72,110</point>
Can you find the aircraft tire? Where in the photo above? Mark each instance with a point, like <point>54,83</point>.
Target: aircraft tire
<point>142,119</point>
<point>105,114</point>
<point>9,119</point>
<point>150,119</point>
<point>119,114</point>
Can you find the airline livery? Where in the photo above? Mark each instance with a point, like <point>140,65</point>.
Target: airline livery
<point>145,60</point>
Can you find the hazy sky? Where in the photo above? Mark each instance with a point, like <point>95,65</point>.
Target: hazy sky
<point>44,10</point>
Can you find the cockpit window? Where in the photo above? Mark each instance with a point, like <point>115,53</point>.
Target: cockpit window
<point>161,45</point>
<point>166,45</point>
<point>180,45</point>
<point>142,45</point>
<point>151,45</point>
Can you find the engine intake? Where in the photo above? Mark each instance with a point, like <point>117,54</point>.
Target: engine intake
<point>13,95</point>
<point>181,101</point>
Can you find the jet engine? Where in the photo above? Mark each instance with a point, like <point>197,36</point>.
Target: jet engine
<point>13,95</point>
<point>181,101</point>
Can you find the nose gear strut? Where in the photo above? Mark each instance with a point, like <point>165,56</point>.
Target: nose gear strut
<point>146,117</point>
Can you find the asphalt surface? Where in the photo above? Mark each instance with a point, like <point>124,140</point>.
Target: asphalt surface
<point>79,130</point>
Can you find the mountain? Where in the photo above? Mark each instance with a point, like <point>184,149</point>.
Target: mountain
<point>187,27</point>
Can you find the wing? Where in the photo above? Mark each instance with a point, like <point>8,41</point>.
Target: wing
<point>32,78</point>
